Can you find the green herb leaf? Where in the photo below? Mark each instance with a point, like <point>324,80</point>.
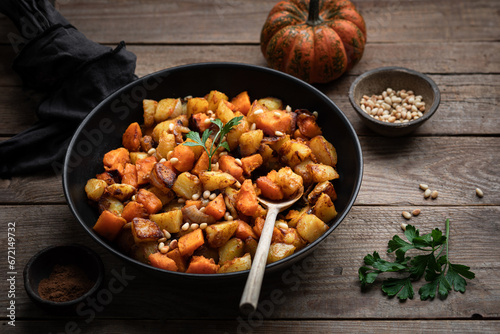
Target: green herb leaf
<point>454,276</point>
<point>398,286</point>
<point>437,281</point>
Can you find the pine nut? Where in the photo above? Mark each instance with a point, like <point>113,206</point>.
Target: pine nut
<point>173,244</point>
<point>427,193</point>
<point>194,226</point>
<point>162,239</point>
<point>164,250</point>
<point>185,227</point>
<point>195,197</point>
<point>152,151</point>
<point>282,225</point>
<point>174,160</point>
<point>315,114</point>
<point>207,121</point>
<point>434,194</point>
<point>171,127</point>
<point>258,112</point>
<point>253,127</point>
<point>212,196</point>
<point>134,198</point>
<point>181,200</point>
<point>288,108</point>
<point>238,161</point>
<point>479,193</point>
<point>167,234</point>
<point>403,226</point>
<point>162,160</point>
<point>206,194</point>
<point>161,245</point>
<point>415,212</point>
<point>423,186</point>
<point>406,214</point>
<point>230,218</point>
<point>277,114</point>
<point>278,133</point>
<point>203,226</point>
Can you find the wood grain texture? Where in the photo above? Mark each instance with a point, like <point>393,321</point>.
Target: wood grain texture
<point>240,21</point>
<point>392,173</point>
<point>268,327</point>
<point>323,286</point>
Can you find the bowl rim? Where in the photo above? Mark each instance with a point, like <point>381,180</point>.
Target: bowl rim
<point>239,274</point>
<point>96,259</point>
<point>419,121</point>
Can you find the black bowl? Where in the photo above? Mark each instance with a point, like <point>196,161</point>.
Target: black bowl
<point>102,131</point>
<point>378,80</point>
<point>42,263</point>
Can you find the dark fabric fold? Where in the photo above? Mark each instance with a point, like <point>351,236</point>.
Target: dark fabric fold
<point>74,73</point>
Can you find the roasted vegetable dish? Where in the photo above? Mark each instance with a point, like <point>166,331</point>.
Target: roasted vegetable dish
<point>181,193</point>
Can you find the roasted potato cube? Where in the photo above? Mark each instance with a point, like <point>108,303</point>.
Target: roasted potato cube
<point>310,227</point>
<point>136,156</point>
<point>237,264</point>
<point>250,246</point>
<point>234,135</point>
<point>170,221</point>
<point>186,185</point>
<point>223,112</point>
<point>321,173</point>
<point>272,103</point>
<point>255,107</point>
<point>121,191</point>
<point>164,196</point>
<point>323,150</point>
<point>218,234</point>
<point>95,188</point>
<point>279,251</point>
<point>325,187</point>
<point>145,230</point>
<point>292,237</point>
<point>166,108</point>
<point>250,142</point>
<point>214,98</point>
<point>293,152</point>
<point>163,176</point>
<point>181,120</point>
<point>216,180</point>
<point>294,218</point>
<point>289,182</point>
<point>166,144</point>
<point>149,107</point>
<point>324,208</point>
<point>301,169</point>
<point>230,250</point>
<point>196,105</point>
<point>107,202</point>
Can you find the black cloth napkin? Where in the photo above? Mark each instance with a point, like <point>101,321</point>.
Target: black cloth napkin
<point>74,73</point>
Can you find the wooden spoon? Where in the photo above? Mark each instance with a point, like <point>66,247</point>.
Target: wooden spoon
<point>251,293</point>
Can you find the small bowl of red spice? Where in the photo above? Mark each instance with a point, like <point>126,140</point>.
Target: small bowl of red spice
<point>59,278</point>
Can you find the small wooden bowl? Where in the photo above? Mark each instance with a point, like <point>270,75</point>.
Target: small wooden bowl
<point>42,263</point>
<point>378,80</point>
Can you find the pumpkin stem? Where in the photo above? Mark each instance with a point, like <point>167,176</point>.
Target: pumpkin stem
<point>313,18</point>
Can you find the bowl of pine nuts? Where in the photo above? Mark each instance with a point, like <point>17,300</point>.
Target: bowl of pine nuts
<point>394,101</point>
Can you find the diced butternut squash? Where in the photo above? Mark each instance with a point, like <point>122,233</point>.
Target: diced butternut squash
<point>246,201</point>
<point>251,163</point>
<point>185,158</point>
<point>162,261</point>
<point>216,207</point>
<point>116,159</point>
<point>200,122</point>
<point>307,125</point>
<point>270,122</point>
<point>133,210</point>
<point>201,165</point>
<point>108,225</point>
<point>188,243</point>
<point>130,175</point>
<point>149,200</point>
<point>144,167</point>
<point>244,231</point>
<point>241,102</point>
<point>228,164</point>
<point>269,189</point>
<point>131,139</point>
<point>202,265</point>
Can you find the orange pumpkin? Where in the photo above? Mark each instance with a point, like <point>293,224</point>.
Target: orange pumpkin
<point>316,41</point>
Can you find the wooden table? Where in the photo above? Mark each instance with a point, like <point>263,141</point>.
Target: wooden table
<point>455,42</point>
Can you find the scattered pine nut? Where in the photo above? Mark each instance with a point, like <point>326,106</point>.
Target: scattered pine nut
<point>258,112</point>
<point>195,197</point>
<point>162,239</point>
<point>206,194</point>
<point>282,225</point>
<point>427,193</point>
<point>167,234</point>
<point>403,226</point>
<point>278,133</point>
<point>423,186</point>
<point>134,197</point>
<point>185,227</point>
<point>181,200</point>
<point>212,196</point>
<point>203,226</point>
<point>164,250</point>
<point>194,226</point>
<point>162,160</point>
<point>434,194</point>
<point>415,212</point>
<point>161,245</point>
<point>173,244</point>
<point>479,193</point>
<point>253,127</point>
<point>207,121</point>
<point>288,108</point>
<point>406,214</point>
<point>315,114</point>
<point>174,160</point>
<point>277,114</point>
<point>238,161</point>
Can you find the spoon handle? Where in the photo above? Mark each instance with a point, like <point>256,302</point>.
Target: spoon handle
<point>250,296</point>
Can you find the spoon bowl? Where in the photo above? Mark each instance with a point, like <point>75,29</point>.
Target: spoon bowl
<point>251,292</point>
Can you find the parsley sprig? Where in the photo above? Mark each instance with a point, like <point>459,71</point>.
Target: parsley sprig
<point>219,136</point>
<point>442,275</point>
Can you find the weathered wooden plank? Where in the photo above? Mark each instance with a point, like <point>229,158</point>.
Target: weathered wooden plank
<point>323,286</point>
<point>468,106</point>
<point>241,21</point>
<point>392,171</point>
<point>476,58</point>
<point>270,326</point>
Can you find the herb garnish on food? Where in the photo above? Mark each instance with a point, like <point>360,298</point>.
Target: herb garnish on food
<point>223,130</point>
<point>438,271</point>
